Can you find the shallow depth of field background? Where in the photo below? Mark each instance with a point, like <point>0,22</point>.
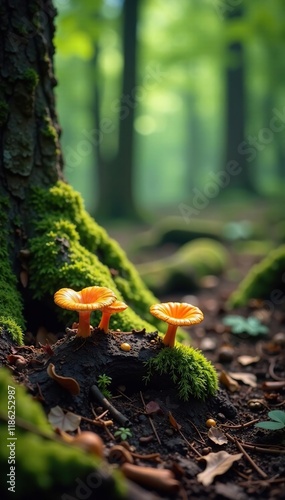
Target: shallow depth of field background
<point>209,90</point>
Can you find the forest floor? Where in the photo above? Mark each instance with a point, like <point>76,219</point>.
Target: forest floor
<point>166,433</point>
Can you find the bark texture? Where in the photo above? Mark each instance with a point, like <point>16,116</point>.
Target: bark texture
<point>29,140</point>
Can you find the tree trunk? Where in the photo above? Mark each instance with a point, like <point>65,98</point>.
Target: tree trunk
<point>29,148</point>
<point>235,113</point>
<point>117,175</point>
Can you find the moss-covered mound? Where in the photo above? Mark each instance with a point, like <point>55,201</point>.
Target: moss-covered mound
<point>71,250</point>
<point>265,280</point>
<point>174,230</point>
<point>11,307</point>
<point>188,370</point>
<point>45,466</point>
<point>184,269</point>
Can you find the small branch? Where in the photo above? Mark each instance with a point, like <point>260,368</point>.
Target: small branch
<point>261,449</point>
<point>150,419</point>
<point>240,426</point>
<point>97,394</point>
<point>189,444</point>
<point>249,459</point>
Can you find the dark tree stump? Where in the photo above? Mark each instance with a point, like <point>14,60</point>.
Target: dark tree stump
<point>86,359</point>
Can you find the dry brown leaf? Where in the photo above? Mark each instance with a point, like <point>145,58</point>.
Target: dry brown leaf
<point>247,360</point>
<point>217,464</point>
<point>68,383</point>
<point>44,337</point>
<point>217,436</point>
<point>153,407</point>
<point>24,278</point>
<point>246,378</point>
<point>63,421</point>
<point>173,422</point>
<point>228,382</point>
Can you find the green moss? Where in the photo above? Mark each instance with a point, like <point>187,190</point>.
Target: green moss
<point>184,269</point>
<point>11,317</point>
<point>262,280</point>
<point>31,79</point>
<point>49,130</point>
<point>4,110</point>
<point>189,370</point>
<point>71,250</point>
<point>44,466</point>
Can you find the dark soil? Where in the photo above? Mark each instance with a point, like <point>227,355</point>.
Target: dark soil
<point>261,474</point>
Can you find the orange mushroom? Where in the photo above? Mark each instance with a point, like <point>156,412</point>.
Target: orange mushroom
<point>107,311</point>
<point>84,302</point>
<point>176,314</point>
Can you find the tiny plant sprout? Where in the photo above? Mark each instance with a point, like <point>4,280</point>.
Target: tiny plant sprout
<point>116,307</point>
<point>123,433</point>
<point>176,314</point>
<point>84,302</point>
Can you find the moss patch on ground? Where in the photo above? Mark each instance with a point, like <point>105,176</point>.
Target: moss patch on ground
<point>265,280</point>
<point>44,466</point>
<point>188,369</point>
<point>71,250</point>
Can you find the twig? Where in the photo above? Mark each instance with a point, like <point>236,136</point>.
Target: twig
<point>189,444</point>
<point>240,426</point>
<point>198,432</point>
<point>261,449</point>
<point>150,419</point>
<point>249,459</point>
<point>151,456</point>
<point>99,423</point>
<point>97,394</point>
<point>105,426</point>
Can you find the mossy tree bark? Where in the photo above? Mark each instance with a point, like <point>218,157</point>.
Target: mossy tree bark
<point>29,147</point>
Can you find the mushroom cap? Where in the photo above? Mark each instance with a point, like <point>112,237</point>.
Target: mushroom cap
<point>177,313</point>
<point>115,307</point>
<point>88,299</point>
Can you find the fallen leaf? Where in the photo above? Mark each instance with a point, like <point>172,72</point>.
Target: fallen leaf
<point>247,360</point>
<point>24,278</point>
<point>228,382</point>
<point>217,436</point>
<point>152,407</point>
<point>173,422</point>
<point>246,378</point>
<point>217,464</point>
<point>68,383</point>
<point>44,337</point>
<point>63,421</point>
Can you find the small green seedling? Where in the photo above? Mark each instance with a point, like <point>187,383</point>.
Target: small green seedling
<point>277,421</point>
<point>103,381</point>
<point>252,326</point>
<point>123,433</point>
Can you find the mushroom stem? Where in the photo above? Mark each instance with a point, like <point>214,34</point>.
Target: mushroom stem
<point>169,337</point>
<point>84,324</point>
<point>104,323</point>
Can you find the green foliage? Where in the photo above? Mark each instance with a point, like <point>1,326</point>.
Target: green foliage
<point>123,433</point>
<point>277,421</point>
<point>44,466</point>
<point>71,250</point>
<point>262,280</point>
<point>252,326</point>
<point>11,317</point>
<point>103,381</point>
<point>188,369</point>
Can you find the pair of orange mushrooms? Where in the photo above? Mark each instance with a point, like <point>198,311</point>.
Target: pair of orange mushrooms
<point>95,298</point>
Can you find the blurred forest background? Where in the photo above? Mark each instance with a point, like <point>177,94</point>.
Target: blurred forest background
<point>172,107</point>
